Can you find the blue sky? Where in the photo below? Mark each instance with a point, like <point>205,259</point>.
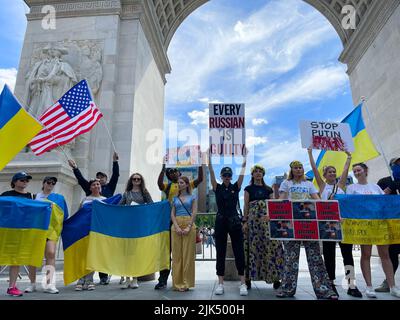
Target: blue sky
<point>278,57</point>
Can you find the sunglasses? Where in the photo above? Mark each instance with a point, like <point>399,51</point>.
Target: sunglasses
<point>51,182</point>
<point>227,175</point>
<point>24,180</point>
<point>136,179</point>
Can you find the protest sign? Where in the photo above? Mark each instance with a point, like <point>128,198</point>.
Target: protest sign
<point>326,135</point>
<point>227,129</point>
<point>304,220</point>
<point>186,156</point>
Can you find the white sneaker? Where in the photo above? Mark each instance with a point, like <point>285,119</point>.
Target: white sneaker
<point>134,284</point>
<point>31,288</point>
<point>243,289</point>
<point>395,292</point>
<point>370,293</point>
<point>219,290</point>
<point>51,289</point>
<point>126,284</point>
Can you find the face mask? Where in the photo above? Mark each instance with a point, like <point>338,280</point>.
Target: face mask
<point>396,171</point>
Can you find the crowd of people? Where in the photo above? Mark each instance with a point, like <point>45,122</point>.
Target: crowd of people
<point>257,257</point>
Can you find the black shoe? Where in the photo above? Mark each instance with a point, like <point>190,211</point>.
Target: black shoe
<point>354,292</point>
<point>160,286</point>
<point>248,284</point>
<point>335,290</point>
<point>277,284</point>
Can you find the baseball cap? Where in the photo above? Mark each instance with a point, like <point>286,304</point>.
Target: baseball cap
<point>21,175</point>
<point>393,160</point>
<point>226,170</point>
<point>48,178</point>
<point>101,174</point>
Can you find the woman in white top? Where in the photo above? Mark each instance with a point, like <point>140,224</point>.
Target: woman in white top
<point>296,187</point>
<point>86,282</point>
<point>327,189</point>
<point>50,250</point>
<point>360,171</point>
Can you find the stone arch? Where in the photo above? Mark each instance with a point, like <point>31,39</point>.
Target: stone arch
<point>171,13</point>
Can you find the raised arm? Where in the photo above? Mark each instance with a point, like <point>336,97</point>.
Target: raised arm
<point>345,173</point>
<point>200,177</point>
<point>78,175</point>
<point>112,185</point>
<point>241,176</point>
<point>321,183</point>
<point>160,181</point>
<point>212,174</point>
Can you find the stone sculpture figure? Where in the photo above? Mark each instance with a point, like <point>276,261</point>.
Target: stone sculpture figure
<point>48,80</point>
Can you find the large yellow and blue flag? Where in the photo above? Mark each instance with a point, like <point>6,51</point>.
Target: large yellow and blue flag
<point>130,240</point>
<point>17,127</point>
<point>364,148</point>
<point>59,214</point>
<point>75,238</point>
<point>370,219</point>
<point>24,226</point>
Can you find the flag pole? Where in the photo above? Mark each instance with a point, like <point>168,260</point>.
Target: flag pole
<point>364,101</point>
<point>105,124</point>
<point>109,134</point>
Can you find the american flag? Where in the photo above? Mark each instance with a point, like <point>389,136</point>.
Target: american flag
<point>74,114</point>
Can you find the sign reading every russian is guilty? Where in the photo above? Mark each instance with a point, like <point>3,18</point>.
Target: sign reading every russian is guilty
<point>324,135</point>
<point>227,129</point>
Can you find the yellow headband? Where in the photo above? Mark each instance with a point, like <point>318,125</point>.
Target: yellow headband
<point>295,163</point>
<point>257,166</point>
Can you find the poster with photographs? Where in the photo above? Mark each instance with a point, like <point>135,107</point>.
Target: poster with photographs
<point>309,220</point>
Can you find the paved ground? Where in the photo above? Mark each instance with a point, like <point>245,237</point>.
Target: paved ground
<point>205,286</point>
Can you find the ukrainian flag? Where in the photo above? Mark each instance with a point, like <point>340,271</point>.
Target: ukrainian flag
<point>370,219</point>
<point>130,240</point>
<point>17,127</point>
<point>75,238</point>
<point>59,214</point>
<point>24,225</point>
<point>364,148</point>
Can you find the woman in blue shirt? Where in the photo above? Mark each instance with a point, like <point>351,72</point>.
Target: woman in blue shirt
<point>183,233</point>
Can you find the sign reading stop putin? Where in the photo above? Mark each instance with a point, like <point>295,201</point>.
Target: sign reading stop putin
<point>227,129</point>
<point>326,136</point>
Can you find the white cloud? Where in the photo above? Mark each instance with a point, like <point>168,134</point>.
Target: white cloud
<point>255,141</point>
<point>199,117</point>
<point>271,40</point>
<point>315,84</point>
<point>8,76</point>
<point>257,122</point>
<point>281,154</point>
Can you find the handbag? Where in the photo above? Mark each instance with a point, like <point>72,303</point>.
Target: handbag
<point>198,238</point>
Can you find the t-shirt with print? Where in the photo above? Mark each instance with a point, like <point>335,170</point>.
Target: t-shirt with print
<point>369,188</point>
<point>298,190</point>
<point>183,208</point>
<point>174,189</point>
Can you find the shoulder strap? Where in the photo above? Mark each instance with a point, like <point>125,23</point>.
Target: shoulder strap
<point>334,191</point>
<point>184,206</point>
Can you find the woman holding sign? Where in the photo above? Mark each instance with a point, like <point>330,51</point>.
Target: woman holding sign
<point>296,187</point>
<point>360,171</point>
<point>327,190</point>
<point>264,257</point>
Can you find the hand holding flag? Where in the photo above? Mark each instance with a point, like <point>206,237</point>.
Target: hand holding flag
<point>74,114</point>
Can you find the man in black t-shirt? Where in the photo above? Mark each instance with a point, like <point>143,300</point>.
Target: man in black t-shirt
<point>391,186</point>
<point>19,183</point>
